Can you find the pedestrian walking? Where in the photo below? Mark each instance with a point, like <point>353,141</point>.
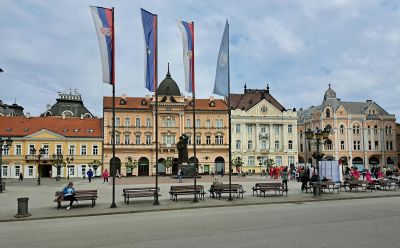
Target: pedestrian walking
<point>69,194</point>
<point>21,177</point>
<point>284,176</point>
<point>106,174</point>
<point>180,175</point>
<point>90,175</point>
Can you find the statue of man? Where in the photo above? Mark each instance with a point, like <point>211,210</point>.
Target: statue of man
<point>182,149</point>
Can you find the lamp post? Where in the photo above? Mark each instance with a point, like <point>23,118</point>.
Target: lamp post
<point>318,135</point>
<point>5,144</point>
<point>41,153</point>
<point>69,160</point>
<point>259,158</point>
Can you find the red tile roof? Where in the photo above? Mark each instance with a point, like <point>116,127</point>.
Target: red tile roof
<point>20,126</point>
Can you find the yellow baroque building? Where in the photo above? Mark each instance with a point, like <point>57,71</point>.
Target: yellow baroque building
<point>363,133</point>
<point>135,131</point>
<point>73,142</point>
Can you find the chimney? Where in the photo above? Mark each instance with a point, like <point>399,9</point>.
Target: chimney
<point>81,116</point>
<point>123,96</point>
<point>28,115</point>
<point>211,98</point>
<point>63,116</point>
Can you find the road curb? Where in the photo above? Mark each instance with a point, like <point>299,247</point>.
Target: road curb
<point>228,204</point>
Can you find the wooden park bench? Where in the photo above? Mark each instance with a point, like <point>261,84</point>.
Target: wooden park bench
<point>139,192</point>
<point>277,187</point>
<point>186,190</point>
<point>330,186</point>
<point>387,184</point>
<point>355,185</point>
<point>80,195</point>
<point>218,189</point>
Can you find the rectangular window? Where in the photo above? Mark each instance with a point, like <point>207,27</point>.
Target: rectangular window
<point>83,149</point>
<point>148,140</point>
<point>30,171</point>
<point>137,140</point>
<point>290,129</point>
<point>30,148</point>
<point>251,161</point>
<point>127,139</point>
<point>309,146</point>
<point>278,161</point>
<point>263,144</point>
<point>17,170</point>
<point>276,144</point>
<point>376,145</point>
<point>219,140</point>
<point>237,128</point>
<point>5,151</point>
<point>58,149</point>
<point>369,145</point>
<point>127,122</point>
<point>95,150</point>
<point>46,149</point>
<point>188,122</point>
<point>291,160</point>
<point>5,171</point>
<point>391,145</point>
<point>276,127</point>
<point>137,122</point>
<point>262,129</point>
<point>249,129</point>
<point>301,147</point>
<point>208,124</point>
<point>198,123</point>
<point>342,145</point>
<point>71,170</point>
<point>290,145</point>
<point>189,140</point>
<point>117,139</point>
<point>219,123</point>
<point>18,149</point>
<point>198,140</point>
<point>117,121</point>
<point>238,144</point>
<point>208,139</point>
<point>71,150</point>
<point>148,122</point>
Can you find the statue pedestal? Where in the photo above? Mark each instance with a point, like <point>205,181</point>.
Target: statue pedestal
<point>188,170</point>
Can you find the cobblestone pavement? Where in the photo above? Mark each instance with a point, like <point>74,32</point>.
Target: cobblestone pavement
<point>41,197</point>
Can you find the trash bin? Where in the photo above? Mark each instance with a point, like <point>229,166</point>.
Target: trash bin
<point>22,207</point>
<point>316,189</point>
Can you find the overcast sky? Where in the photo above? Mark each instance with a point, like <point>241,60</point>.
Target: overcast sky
<point>297,47</point>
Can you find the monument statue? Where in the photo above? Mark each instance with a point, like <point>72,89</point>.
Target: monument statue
<point>182,149</point>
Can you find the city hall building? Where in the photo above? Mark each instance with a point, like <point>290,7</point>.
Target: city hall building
<point>362,133</point>
<point>262,130</point>
<point>135,132</point>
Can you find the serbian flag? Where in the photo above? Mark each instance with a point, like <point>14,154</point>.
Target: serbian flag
<point>104,21</point>
<point>149,21</point>
<point>187,31</point>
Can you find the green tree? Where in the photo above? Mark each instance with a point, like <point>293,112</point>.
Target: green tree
<point>95,164</point>
<point>130,163</point>
<point>167,163</point>
<point>59,163</point>
<point>238,163</point>
<point>269,162</point>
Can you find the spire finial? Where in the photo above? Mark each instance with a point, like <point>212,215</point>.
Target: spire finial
<point>267,88</point>
<point>329,86</point>
<point>245,87</point>
<point>168,74</point>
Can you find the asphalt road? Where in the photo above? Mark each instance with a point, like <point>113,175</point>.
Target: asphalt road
<point>351,223</point>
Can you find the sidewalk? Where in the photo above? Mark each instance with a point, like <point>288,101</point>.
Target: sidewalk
<point>41,205</point>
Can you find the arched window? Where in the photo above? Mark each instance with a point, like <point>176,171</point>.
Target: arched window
<point>328,145</point>
<point>342,129</point>
<point>327,113</point>
<point>276,144</point>
<point>290,145</point>
<point>375,129</point>
<point>250,144</point>
<point>356,129</point>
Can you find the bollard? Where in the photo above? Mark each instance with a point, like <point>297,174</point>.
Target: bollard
<point>22,208</point>
<point>316,189</point>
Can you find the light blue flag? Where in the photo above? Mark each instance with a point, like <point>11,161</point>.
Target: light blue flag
<point>222,75</point>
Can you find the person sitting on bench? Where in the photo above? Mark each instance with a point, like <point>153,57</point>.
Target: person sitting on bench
<point>69,194</point>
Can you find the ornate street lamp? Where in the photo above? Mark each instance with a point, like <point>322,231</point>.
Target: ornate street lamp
<point>5,144</point>
<point>259,158</point>
<point>318,135</point>
<point>41,154</point>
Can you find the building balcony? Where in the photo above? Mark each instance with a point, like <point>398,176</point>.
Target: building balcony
<point>263,136</point>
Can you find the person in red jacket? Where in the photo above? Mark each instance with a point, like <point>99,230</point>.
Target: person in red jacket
<point>106,174</point>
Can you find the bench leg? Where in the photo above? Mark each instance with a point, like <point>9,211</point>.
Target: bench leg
<point>58,205</point>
